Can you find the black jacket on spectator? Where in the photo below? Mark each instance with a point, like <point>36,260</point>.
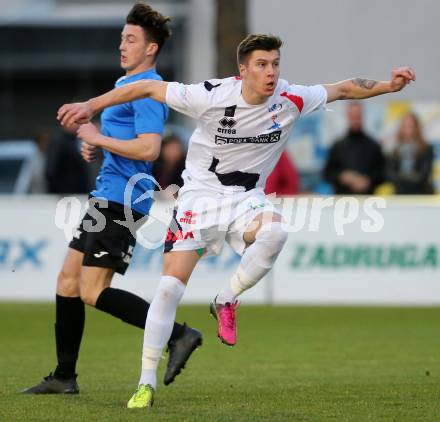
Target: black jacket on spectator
<point>418,181</point>
<point>358,152</point>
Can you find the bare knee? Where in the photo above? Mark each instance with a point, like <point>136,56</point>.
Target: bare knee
<point>89,294</point>
<point>173,270</point>
<point>93,281</point>
<point>180,264</point>
<point>68,284</point>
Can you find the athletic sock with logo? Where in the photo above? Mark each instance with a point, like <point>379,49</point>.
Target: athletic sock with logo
<point>69,327</point>
<point>129,308</point>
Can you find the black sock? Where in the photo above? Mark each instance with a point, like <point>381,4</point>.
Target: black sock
<point>130,308</point>
<point>69,327</point>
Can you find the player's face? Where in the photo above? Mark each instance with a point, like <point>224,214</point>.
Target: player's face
<point>261,71</point>
<point>137,54</point>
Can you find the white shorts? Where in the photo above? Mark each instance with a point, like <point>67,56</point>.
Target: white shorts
<point>204,220</point>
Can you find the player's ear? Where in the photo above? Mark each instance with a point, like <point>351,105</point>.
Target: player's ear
<point>152,49</point>
<point>242,68</point>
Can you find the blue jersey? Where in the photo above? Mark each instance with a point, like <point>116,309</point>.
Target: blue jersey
<point>124,122</point>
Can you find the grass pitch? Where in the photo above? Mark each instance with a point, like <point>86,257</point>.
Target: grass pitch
<point>290,363</point>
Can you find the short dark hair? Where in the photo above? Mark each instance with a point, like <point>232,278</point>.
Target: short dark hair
<point>153,23</point>
<point>257,42</point>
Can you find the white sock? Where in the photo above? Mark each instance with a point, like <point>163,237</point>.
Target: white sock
<point>159,325</point>
<point>256,261</point>
<point>237,285</point>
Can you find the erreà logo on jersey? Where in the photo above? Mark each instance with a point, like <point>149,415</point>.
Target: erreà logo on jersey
<point>227,121</point>
<point>188,217</point>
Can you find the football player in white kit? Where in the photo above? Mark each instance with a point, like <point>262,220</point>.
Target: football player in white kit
<point>243,124</point>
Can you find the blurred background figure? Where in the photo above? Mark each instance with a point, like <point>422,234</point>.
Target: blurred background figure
<point>38,182</point>
<point>284,179</point>
<point>355,163</point>
<point>410,164</point>
<point>168,168</point>
<point>66,171</point>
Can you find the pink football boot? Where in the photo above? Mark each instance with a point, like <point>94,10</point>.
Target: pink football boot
<point>225,316</point>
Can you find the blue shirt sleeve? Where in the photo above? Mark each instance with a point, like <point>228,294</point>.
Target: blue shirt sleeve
<point>149,116</point>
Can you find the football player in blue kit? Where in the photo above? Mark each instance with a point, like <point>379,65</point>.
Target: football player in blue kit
<point>130,138</point>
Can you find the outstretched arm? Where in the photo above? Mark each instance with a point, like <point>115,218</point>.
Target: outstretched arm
<point>358,88</point>
<point>80,113</point>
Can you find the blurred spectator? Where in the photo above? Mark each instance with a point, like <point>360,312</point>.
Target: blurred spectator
<point>284,179</point>
<point>410,164</point>
<point>38,182</point>
<point>355,163</point>
<point>66,172</point>
<point>168,168</point>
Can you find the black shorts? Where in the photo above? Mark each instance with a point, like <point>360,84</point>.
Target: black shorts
<point>112,247</point>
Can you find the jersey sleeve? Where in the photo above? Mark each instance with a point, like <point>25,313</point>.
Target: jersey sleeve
<point>149,116</point>
<point>192,100</point>
<point>313,97</point>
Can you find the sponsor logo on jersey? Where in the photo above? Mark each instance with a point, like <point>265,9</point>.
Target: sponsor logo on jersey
<point>275,107</point>
<point>275,124</point>
<point>188,217</point>
<point>228,122</point>
<point>265,138</point>
<point>227,131</point>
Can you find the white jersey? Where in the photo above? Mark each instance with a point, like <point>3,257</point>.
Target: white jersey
<point>236,145</point>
